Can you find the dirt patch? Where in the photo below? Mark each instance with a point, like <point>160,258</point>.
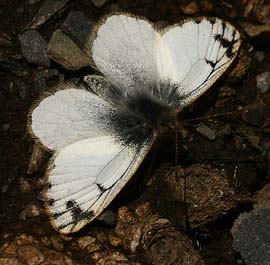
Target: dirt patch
<point>233,144</point>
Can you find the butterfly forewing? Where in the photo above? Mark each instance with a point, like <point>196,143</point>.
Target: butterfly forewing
<point>194,54</point>
<point>124,50</point>
<point>68,115</point>
<point>190,55</point>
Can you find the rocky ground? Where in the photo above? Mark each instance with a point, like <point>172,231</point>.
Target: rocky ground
<point>224,146</point>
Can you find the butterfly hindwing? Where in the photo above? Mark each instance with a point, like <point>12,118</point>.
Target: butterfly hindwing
<point>86,176</point>
<point>97,150</point>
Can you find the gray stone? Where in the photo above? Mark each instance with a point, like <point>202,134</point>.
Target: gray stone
<point>107,217</point>
<point>263,81</point>
<point>77,26</point>
<point>13,67</point>
<point>99,3</point>
<point>47,10</point>
<point>31,2</point>
<point>6,126</point>
<point>41,78</point>
<point>5,39</point>
<point>65,51</point>
<point>21,88</point>
<point>4,188</point>
<point>259,56</point>
<point>252,237</point>
<point>34,48</point>
<point>206,132</point>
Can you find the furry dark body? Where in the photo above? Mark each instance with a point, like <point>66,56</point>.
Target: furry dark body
<point>142,112</point>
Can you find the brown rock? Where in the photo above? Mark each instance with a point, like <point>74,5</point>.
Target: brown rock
<point>85,241</point>
<point>93,247</point>
<point>114,240</point>
<point>254,30</point>
<point>25,239</point>
<point>57,243</point>
<point>47,10</point>
<point>242,66</point>
<point>209,195</point>
<point>30,255</point>
<point>65,51</point>
<point>9,248</point>
<point>263,198</point>
<point>10,261</point>
<point>155,238</point>
<point>190,9</point>
<point>55,258</point>
<point>30,211</point>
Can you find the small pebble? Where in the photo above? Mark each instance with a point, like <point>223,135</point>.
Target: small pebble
<point>30,211</point>
<point>99,3</point>
<point>57,243</point>
<point>254,30</point>
<point>40,79</point>
<point>206,132</point>
<point>31,2</point>
<point>263,81</point>
<point>5,39</point>
<point>85,241</point>
<point>6,126</point>
<point>10,261</point>
<point>190,9</point>
<point>4,188</point>
<point>114,240</point>
<point>30,255</point>
<point>77,26</point>
<point>107,217</point>
<point>34,48</point>
<point>8,66</point>
<point>259,56</point>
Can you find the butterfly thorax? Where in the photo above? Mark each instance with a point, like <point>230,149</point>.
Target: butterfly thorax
<point>155,107</point>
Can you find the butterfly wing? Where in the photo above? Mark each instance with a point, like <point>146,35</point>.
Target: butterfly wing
<point>123,49</point>
<point>68,115</point>
<point>97,151</point>
<point>87,175</point>
<point>194,54</point>
<point>189,56</point>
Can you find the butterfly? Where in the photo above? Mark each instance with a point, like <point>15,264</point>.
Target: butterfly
<point>100,133</point>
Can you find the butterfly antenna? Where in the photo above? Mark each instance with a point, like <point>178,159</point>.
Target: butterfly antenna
<point>187,226</point>
<point>216,115</point>
<point>176,145</point>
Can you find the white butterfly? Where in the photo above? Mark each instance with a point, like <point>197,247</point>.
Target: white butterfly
<point>100,138</point>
